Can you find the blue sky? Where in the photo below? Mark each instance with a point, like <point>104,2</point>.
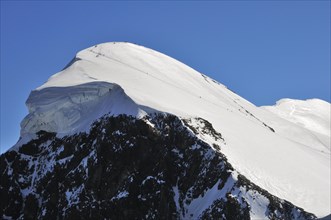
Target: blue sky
<point>262,50</point>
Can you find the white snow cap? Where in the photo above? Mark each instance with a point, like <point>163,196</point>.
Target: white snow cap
<point>292,163</point>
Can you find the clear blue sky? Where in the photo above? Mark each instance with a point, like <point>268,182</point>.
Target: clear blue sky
<point>262,50</point>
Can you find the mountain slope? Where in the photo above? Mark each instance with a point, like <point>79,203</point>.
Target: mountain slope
<point>128,168</point>
<point>280,156</point>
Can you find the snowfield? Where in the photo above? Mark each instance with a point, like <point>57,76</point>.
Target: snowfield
<point>284,149</point>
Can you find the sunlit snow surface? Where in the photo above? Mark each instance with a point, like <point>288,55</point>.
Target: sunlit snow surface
<point>313,115</point>
<point>292,163</point>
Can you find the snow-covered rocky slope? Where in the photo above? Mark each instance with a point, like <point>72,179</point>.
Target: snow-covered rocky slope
<point>155,167</point>
<point>282,151</point>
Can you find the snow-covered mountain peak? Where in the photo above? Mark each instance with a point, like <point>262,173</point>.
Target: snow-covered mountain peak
<point>313,114</point>
<point>116,56</point>
<point>124,78</point>
<point>148,77</point>
<point>314,104</point>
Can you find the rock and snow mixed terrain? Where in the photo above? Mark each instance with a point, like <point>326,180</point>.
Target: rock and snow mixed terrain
<point>283,149</point>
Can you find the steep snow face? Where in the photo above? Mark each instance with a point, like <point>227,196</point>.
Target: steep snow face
<point>278,155</point>
<point>71,109</point>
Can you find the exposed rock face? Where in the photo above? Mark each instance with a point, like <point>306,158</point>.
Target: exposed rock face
<point>128,168</point>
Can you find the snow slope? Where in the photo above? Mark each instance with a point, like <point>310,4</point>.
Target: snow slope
<point>313,115</point>
<point>292,163</point>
